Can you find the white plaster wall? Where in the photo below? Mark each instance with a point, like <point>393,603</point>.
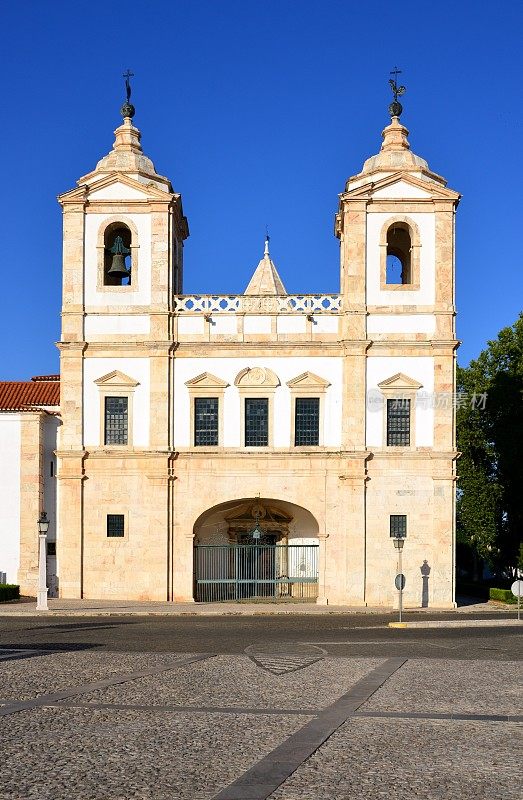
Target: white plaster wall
<point>291,324</point>
<point>118,191</point>
<point>224,324</point>
<point>400,190</point>
<point>401,323</point>
<point>97,324</point>
<point>285,368</point>
<point>324,323</point>
<point>10,442</point>
<point>420,368</point>
<point>257,324</point>
<point>141,296</point>
<point>191,325</point>
<point>426,294</point>
<point>50,435</point>
<point>136,368</point>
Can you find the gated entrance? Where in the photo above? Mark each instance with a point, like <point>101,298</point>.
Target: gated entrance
<point>282,572</point>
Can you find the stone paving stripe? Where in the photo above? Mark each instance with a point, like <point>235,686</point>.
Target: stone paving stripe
<point>45,699</point>
<point>437,715</point>
<point>264,777</point>
<point>300,712</point>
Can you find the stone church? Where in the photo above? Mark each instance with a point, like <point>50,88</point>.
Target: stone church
<point>231,447</point>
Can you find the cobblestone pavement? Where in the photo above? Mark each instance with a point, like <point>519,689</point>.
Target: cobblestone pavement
<point>285,721</point>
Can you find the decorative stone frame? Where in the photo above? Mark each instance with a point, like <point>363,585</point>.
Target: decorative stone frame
<point>400,387</point>
<point>258,382</point>
<point>307,385</point>
<point>415,244</point>
<point>206,385</point>
<point>100,247</point>
<point>116,384</point>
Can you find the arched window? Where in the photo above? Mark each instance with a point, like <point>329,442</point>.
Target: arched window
<point>117,255</point>
<point>399,254</point>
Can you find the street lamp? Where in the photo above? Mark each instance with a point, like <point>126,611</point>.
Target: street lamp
<point>398,533</point>
<point>43,527</point>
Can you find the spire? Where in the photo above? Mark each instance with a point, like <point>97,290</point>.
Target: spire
<point>265,280</point>
<point>127,155</point>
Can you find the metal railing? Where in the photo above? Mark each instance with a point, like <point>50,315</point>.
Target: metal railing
<point>278,572</point>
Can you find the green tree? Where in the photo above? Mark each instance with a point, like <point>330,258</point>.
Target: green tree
<point>490,438</point>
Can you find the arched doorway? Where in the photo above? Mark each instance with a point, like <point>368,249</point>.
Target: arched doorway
<point>256,549</point>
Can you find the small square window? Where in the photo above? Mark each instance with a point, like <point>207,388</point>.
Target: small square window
<point>115,525</point>
<point>398,526</point>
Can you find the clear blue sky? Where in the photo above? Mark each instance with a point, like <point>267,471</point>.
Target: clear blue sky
<point>257,111</point>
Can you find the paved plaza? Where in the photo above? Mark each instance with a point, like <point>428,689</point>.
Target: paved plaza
<point>304,711</point>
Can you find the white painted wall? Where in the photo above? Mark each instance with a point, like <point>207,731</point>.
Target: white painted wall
<point>136,368</point>
<point>291,324</point>
<point>141,296</point>
<point>285,368</point>
<point>118,191</point>
<point>10,441</point>
<point>420,368</point>
<point>256,324</point>
<point>99,324</point>
<point>191,325</point>
<point>426,294</point>
<point>401,323</point>
<point>50,430</point>
<point>401,190</point>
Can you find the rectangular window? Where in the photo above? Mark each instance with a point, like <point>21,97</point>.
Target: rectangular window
<point>256,422</point>
<point>205,421</point>
<point>398,423</point>
<point>116,422</point>
<point>115,525</point>
<point>307,421</point>
<point>398,526</point>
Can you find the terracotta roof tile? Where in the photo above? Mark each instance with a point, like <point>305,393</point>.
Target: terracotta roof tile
<point>42,390</point>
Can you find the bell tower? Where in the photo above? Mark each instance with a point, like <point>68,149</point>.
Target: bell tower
<point>395,223</point>
<point>123,235</point>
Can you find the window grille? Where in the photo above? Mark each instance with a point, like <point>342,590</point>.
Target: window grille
<point>205,421</point>
<point>116,422</point>
<point>398,526</point>
<point>307,421</point>
<point>398,422</point>
<point>256,422</point>
<point>115,525</point>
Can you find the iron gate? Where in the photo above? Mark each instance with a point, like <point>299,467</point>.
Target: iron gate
<point>242,571</point>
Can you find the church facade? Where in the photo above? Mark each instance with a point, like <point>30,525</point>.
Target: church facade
<point>261,445</point>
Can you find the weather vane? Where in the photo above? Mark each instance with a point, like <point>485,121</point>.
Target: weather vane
<point>128,110</point>
<point>395,107</point>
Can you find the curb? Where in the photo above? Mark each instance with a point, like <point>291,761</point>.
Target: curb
<point>468,623</point>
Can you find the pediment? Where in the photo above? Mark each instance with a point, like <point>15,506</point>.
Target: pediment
<point>115,186</point>
<point>116,378</point>
<point>206,381</point>
<point>404,185</point>
<point>257,378</point>
<point>307,379</point>
<point>400,381</point>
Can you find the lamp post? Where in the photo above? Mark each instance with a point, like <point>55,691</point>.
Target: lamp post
<point>43,527</point>
<point>398,533</point>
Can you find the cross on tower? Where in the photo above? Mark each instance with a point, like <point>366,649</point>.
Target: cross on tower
<point>128,75</point>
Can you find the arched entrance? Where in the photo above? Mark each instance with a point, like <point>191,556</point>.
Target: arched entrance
<point>256,549</point>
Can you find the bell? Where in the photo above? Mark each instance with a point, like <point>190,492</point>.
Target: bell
<point>118,268</point>
<point>119,251</point>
